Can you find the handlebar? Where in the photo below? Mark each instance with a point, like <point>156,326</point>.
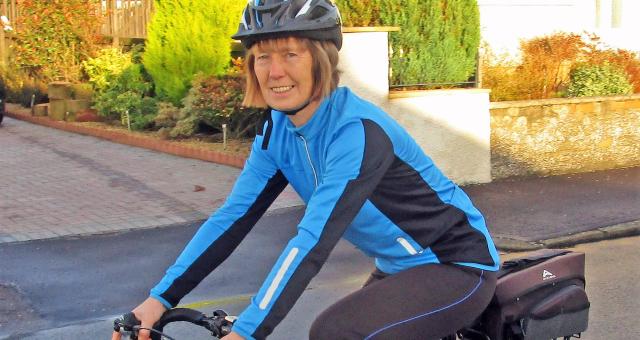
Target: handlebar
<point>219,324</point>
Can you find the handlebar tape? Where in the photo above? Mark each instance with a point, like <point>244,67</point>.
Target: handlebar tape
<point>176,315</point>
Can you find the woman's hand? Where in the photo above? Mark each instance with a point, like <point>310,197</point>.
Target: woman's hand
<point>148,312</point>
<point>232,336</point>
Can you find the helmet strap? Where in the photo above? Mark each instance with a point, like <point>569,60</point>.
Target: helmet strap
<point>293,112</point>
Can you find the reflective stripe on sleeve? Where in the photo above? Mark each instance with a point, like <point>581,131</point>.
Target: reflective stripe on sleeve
<point>279,276</point>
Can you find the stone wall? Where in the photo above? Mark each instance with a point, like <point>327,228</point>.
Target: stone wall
<point>559,136</point>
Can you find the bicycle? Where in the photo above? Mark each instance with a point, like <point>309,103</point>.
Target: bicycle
<point>538,297</point>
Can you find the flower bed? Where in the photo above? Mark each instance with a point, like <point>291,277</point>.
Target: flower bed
<point>234,154</point>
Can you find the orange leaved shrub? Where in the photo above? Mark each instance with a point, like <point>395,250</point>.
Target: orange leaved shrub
<point>544,68</point>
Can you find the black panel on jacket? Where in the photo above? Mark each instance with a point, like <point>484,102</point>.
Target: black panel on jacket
<point>410,203</point>
<point>378,156</point>
<point>219,250</point>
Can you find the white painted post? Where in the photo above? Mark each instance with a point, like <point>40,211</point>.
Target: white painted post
<point>224,136</point>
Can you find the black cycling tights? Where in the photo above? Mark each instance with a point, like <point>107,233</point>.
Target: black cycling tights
<point>425,302</point>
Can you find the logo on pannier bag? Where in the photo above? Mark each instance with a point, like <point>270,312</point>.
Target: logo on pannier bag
<point>547,275</point>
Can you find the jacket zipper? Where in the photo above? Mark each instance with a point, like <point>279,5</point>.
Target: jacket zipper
<point>404,243</point>
<point>313,169</point>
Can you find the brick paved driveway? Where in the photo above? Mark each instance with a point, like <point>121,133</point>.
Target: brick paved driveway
<point>54,183</point>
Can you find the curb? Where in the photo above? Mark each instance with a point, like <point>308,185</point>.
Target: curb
<point>604,233</point>
<point>509,244</point>
<point>76,236</point>
<point>144,142</point>
<point>9,240</point>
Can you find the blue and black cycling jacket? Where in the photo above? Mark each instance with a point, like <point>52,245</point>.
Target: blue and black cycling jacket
<point>363,178</point>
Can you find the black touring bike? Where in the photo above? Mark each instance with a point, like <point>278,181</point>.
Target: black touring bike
<point>538,297</point>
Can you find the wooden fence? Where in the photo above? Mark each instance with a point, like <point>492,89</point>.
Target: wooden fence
<point>10,10</point>
<point>122,18</point>
<point>126,18</point>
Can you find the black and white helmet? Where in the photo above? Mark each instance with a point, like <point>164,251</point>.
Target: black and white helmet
<point>313,19</point>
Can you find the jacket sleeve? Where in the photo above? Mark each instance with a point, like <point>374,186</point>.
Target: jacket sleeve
<point>356,161</point>
<point>258,185</point>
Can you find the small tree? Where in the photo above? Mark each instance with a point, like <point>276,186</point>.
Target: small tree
<point>189,37</point>
<point>55,36</point>
<point>546,63</point>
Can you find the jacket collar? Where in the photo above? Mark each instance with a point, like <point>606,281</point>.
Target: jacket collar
<point>318,121</point>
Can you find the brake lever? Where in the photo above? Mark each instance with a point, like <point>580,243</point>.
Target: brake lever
<point>220,323</point>
<point>127,324</point>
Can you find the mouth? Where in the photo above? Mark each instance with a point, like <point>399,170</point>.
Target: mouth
<point>282,89</point>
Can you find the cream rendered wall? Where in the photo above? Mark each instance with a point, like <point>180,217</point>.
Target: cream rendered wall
<point>364,63</point>
<point>451,126</point>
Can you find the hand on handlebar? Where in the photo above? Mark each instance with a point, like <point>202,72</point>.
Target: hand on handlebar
<point>148,312</point>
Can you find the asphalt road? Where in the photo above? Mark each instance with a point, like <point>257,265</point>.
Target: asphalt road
<point>537,208</point>
<point>64,281</point>
<point>72,288</point>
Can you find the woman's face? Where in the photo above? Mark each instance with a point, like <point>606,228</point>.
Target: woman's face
<point>284,72</point>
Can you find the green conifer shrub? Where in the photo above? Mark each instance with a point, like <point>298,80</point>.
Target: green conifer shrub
<point>189,37</point>
<point>438,39</point>
<point>361,13</point>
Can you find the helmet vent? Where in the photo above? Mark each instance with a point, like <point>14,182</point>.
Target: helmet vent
<point>304,9</point>
<point>246,20</point>
<point>317,13</point>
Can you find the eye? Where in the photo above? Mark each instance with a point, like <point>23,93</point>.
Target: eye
<point>262,56</point>
<point>291,54</point>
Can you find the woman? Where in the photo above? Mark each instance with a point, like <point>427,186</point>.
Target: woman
<point>362,178</point>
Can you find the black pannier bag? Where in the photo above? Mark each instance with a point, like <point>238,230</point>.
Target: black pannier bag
<point>538,297</point>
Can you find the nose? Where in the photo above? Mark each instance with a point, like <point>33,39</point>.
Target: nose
<point>276,69</point>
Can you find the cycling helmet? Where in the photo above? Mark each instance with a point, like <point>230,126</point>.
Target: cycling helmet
<point>313,19</point>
